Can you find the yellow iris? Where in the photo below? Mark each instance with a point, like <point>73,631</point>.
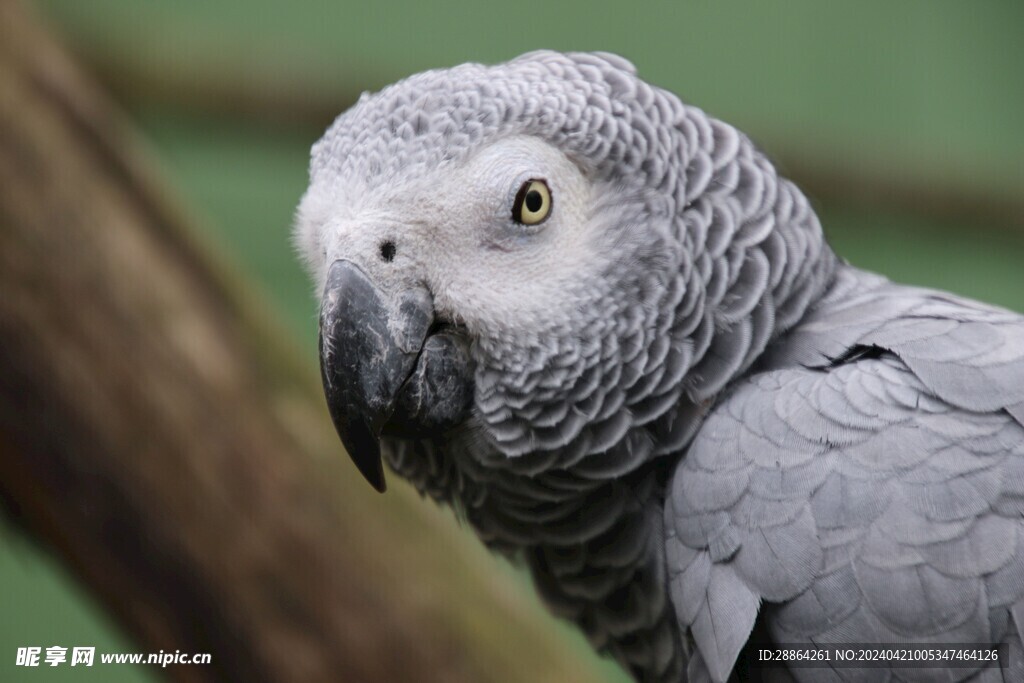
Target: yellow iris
<point>533,202</point>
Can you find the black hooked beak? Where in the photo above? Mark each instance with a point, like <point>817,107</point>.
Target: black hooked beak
<point>369,344</point>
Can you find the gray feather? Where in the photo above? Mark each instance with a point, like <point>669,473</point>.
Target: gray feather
<point>724,621</point>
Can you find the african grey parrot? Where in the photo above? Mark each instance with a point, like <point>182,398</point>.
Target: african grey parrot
<point>599,323</point>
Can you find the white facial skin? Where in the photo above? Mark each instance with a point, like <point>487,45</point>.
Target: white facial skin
<point>453,231</point>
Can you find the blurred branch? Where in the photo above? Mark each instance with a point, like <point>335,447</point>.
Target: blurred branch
<point>282,93</point>
<point>161,437</point>
<point>274,92</point>
<point>890,185</point>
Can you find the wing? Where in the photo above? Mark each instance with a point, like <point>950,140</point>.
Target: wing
<point>969,354</point>
<point>875,495</point>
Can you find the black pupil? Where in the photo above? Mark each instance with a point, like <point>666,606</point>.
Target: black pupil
<point>534,200</point>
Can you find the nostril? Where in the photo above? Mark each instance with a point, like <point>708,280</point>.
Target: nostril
<point>387,251</point>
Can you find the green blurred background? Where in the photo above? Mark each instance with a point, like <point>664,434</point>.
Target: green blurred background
<point>901,119</point>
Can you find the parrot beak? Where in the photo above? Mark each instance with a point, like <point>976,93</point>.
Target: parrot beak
<point>369,344</point>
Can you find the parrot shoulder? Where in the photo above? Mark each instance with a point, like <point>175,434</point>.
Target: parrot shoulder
<point>869,490</point>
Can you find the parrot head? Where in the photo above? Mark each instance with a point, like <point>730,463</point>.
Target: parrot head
<point>502,246</point>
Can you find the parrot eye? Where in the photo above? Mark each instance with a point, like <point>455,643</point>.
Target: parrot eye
<point>533,202</point>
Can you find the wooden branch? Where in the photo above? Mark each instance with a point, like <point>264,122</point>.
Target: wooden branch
<point>159,435</point>
<point>876,183</point>
<point>280,92</point>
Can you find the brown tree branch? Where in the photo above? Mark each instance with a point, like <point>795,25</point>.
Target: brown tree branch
<point>280,92</point>
<point>159,435</point>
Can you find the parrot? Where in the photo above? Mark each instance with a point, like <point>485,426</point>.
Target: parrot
<point>598,324</point>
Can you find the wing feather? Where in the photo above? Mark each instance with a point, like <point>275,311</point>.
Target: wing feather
<point>877,521</point>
